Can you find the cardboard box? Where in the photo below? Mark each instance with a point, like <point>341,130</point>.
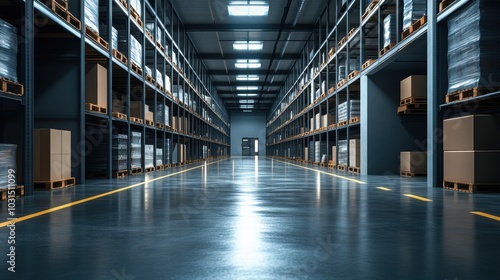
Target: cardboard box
<point>415,162</point>
<point>66,166</point>
<point>479,132</point>
<point>354,152</point>
<point>473,167</point>
<point>149,116</point>
<point>52,154</point>
<point>47,141</point>
<point>137,109</point>
<point>66,142</point>
<point>306,153</point>
<point>334,154</point>
<point>414,86</point>
<point>96,86</point>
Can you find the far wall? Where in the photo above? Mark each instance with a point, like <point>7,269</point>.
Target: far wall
<point>248,125</point>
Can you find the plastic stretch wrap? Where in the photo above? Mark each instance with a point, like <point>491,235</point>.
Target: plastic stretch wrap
<point>151,28</point>
<point>136,4</point>
<point>159,78</point>
<point>342,73</point>
<point>473,47</point>
<point>167,151</point>
<point>342,152</point>
<point>120,154</point>
<point>344,114</point>
<point>413,10</point>
<point>135,51</point>
<point>92,14</point>
<point>149,156</point>
<point>8,51</point>
<point>159,156</point>
<point>135,149</point>
<point>7,162</point>
<point>148,71</point>
<point>320,149</point>
<point>389,30</point>
<point>159,35</point>
<point>312,150</point>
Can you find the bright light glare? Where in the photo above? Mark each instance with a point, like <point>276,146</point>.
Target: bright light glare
<point>248,46</point>
<point>248,8</point>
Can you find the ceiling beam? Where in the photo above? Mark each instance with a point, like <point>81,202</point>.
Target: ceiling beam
<point>208,27</point>
<point>246,55</point>
<point>246,72</point>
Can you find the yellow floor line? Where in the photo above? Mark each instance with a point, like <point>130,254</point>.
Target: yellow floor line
<point>418,197</point>
<point>67,205</point>
<point>323,172</point>
<point>486,215</point>
<point>384,189</point>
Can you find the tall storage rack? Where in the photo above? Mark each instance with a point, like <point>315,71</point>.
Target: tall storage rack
<point>346,60</point>
<point>187,121</point>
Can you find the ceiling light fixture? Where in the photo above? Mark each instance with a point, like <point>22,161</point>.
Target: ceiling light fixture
<point>246,106</point>
<point>248,8</point>
<point>247,63</point>
<point>247,78</point>
<point>248,46</point>
<point>247,94</point>
<point>247,88</point>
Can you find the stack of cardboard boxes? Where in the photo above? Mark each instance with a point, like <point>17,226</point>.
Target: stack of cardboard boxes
<point>471,147</point>
<point>137,110</point>
<point>96,85</point>
<point>52,155</point>
<point>354,153</point>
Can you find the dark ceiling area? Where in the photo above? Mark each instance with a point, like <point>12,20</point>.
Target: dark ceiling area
<point>282,34</point>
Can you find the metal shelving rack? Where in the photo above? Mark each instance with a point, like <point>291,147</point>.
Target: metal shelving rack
<point>353,29</point>
<point>54,54</point>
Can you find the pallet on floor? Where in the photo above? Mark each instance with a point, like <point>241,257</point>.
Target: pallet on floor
<point>168,165</point>
<point>63,13</point>
<point>92,34</point>
<point>367,64</point>
<point>11,87</point>
<point>352,74</point>
<point>136,68</point>
<point>119,174</point>
<point>414,27</point>
<point>136,17</point>
<point>342,123</point>
<point>149,169</point>
<point>342,167</point>
<point>331,164</point>
<point>354,120</point>
<point>369,9</point>
<point>135,171</point>
<point>469,93</point>
<point>120,116</point>
<point>386,49</point>
<point>444,4</point>
<point>415,108</point>
<point>470,187</point>
<point>18,192</point>
<point>137,120</point>
<point>411,174</point>
<point>341,83</point>
<point>160,167</point>
<point>94,108</point>
<point>118,55</point>
<point>55,184</point>
<point>353,169</point>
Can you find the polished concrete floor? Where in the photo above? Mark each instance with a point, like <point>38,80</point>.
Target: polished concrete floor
<point>249,218</point>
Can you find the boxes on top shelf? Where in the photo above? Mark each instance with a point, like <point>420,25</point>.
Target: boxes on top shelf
<point>92,15</point>
<point>389,30</point>
<point>413,10</point>
<point>96,85</point>
<point>414,86</point>
<point>476,132</point>
<point>135,51</point>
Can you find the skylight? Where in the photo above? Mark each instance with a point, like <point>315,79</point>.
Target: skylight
<point>247,88</point>
<point>247,63</point>
<point>248,46</point>
<point>247,78</point>
<point>248,8</point>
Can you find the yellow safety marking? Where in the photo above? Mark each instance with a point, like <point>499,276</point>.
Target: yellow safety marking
<point>418,197</point>
<point>486,215</point>
<point>384,189</point>
<point>67,205</point>
<point>323,172</point>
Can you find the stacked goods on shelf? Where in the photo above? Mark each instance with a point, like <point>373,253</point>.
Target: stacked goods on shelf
<point>334,154</point>
<point>205,151</point>
<point>136,150</point>
<point>114,35</point>
<point>320,151</point>
<point>149,156</point>
<point>413,94</point>
<point>354,153</point>
<point>7,164</point>
<point>135,51</point>
<point>167,151</point>
<point>8,51</point>
<point>471,147</point>
<point>52,155</point>
<point>162,114</point>
<point>119,103</point>
<point>413,163</point>
<point>120,154</point>
<point>159,157</point>
<point>413,10</point>
<point>328,119</point>
<point>136,5</point>
<point>96,87</point>
<point>348,109</point>
<point>137,110</point>
<point>312,151</point>
<point>159,79</point>
<point>389,30</point>
<point>92,15</point>
<point>473,48</point>
<point>342,152</point>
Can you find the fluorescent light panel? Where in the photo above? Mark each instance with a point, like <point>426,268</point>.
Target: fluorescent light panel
<point>247,94</point>
<point>247,88</point>
<point>246,106</point>
<point>248,8</point>
<point>248,46</point>
<point>247,101</point>
<point>247,78</point>
<point>247,63</point>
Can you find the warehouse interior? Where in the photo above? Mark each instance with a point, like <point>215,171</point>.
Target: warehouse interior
<point>249,139</point>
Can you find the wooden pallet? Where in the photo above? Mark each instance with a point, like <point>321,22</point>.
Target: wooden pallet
<point>149,123</point>
<point>150,36</point>
<point>136,68</point>
<point>92,34</point>
<point>342,123</point>
<point>160,125</point>
<point>162,49</point>
<point>413,100</point>
<point>354,169</point>
<point>124,4</point>
<point>468,93</point>
<point>56,184</point>
<point>332,126</point>
<point>341,42</point>
<point>444,4</point>
<point>119,174</point>
<point>63,13</point>
<point>94,108</point>
<point>118,55</point>
<point>367,64</point>
<point>331,164</point>
<point>416,108</point>
<point>354,120</point>
<point>351,32</point>
<point>150,79</point>
<point>331,90</point>
<point>414,27</point>
<point>135,171</point>
<point>470,187</point>
<point>411,174</point>
<point>160,167</point>
<point>149,169</point>
<point>369,9</point>
<point>120,116</point>
<point>160,87</point>
<point>18,192</point>
<point>137,120</point>
<point>168,165</point>
<point>62,3</point>
<point>341,83</point>
<point>386,49</point>
<point>342,167</point>
<point>136,17</point>
<point>331,52</point>
<point>353,74</point>
<point>11,87</point>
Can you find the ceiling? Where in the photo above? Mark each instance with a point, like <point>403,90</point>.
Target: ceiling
<point>283,32</point>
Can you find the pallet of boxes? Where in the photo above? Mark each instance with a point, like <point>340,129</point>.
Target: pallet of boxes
<point>9,188</point>
<point>52,159</point>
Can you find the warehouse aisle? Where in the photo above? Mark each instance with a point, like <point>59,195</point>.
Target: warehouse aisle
<point>249,218</point>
